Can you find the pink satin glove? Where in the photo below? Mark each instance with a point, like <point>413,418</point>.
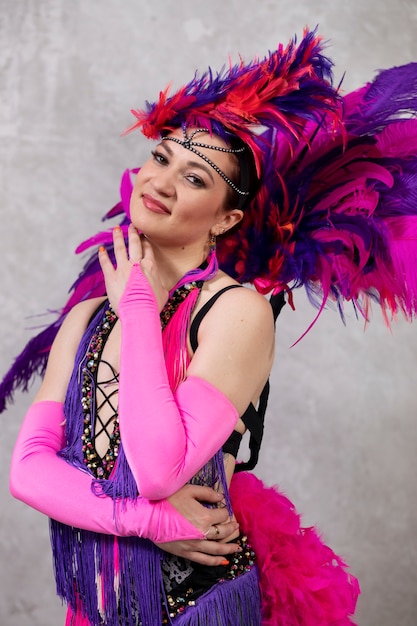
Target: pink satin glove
<point>49,484</point>
<point>167,437</point>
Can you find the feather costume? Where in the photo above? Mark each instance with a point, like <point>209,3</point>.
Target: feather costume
<point>336,212</point>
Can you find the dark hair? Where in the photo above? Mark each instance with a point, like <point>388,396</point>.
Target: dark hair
<point>246,178</point>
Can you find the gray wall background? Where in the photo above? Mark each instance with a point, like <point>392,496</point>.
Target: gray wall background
<point>341,432</point>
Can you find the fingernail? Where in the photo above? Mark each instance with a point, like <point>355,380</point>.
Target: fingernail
<point>225,562</point>
<point>117,228</point>
<point>101,249</point>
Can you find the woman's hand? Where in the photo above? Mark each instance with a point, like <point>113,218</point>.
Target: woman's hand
<point>205,552</point>
<point>214,522</point>
<point>138,252</point>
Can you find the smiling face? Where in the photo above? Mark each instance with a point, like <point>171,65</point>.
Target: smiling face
<point>178,199</point>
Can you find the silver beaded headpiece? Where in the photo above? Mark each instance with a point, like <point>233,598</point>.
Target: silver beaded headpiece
<point>189,144</point>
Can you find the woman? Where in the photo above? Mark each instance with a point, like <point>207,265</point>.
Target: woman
<point>150,388</point>
<point>178,205</point>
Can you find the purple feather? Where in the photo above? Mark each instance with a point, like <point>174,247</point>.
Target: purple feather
<point>324,216</point>
<point>391,96</point>
<point>31,361</point>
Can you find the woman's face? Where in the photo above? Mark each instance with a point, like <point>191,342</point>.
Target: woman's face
<point>178,199</point>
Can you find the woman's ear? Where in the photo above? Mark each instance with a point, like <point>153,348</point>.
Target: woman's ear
<point>230,219</point>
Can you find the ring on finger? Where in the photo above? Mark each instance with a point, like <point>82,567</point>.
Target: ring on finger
<point>216,529</point>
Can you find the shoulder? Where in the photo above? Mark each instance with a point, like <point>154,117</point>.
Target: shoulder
<point>63,351</point>
<point>241,302</point>
<point>236,342</point>
<point>76,322</point>
<point>82,312</point>
<point>241,311</point>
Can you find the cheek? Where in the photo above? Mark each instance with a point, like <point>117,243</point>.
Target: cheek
<point>138,186</point>
<point>145,172</point>
<point>140,176</point>
<point>136,194</point>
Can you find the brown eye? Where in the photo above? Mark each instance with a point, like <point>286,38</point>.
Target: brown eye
<point>195,180</point>
<point>159,157</point>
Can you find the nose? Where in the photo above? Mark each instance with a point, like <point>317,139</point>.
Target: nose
<point>163,182</point>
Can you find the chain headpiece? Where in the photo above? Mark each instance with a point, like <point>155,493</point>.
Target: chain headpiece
<point>191,145</point>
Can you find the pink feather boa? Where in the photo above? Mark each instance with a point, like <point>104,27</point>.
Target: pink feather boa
<point>303,582</point>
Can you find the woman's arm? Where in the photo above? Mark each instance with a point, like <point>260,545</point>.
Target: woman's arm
<point>46,482</point>
<point>167,437</point>
<point>49,484</point>
<point>43,480</point>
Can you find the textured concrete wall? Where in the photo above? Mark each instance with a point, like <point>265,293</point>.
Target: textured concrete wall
<point>341,432</point>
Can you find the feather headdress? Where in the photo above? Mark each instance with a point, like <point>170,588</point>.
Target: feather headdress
<point>336,211</point>
<point>287,88</point>
<point>339,214</point>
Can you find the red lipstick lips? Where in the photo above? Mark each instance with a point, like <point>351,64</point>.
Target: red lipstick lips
<point>154,205</point>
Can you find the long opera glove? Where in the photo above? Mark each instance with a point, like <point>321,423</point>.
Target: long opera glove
<point>167,437</point>
<point>49,484</point>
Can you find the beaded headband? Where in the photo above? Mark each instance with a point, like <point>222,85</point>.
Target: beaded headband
<point>191,145</point>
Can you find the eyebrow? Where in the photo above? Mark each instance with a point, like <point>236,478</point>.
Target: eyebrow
<point>201,166</point>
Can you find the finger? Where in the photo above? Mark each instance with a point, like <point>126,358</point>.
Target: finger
<point>224,531</point>
<point>213,553</point>
<point>212,532</point>
<point>219,532</point>
<point>148,258</point>
<point>217,516</point>
<point>105,262</point>
<point>147,252</point>
<point>214,548</point>
<point>206,559</point>
<point>135,245</point>
<point>119,246</point>
<point>205,494</point>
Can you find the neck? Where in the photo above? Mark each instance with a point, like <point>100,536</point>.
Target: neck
<point>174,263</point>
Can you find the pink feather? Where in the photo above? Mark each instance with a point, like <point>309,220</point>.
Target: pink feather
<point>303,582</point>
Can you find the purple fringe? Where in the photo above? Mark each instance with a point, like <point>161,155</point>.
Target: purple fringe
<point>230,603</point>
<point>213,475</point>
<point>141,582</point>
<point>82,558</point>
<point>74,562</point>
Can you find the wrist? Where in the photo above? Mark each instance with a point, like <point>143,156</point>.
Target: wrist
<point>138,294</point>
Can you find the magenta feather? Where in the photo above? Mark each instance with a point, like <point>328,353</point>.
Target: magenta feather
<point>337,208</point>
<point>322,218</point>
<point>303,582</point>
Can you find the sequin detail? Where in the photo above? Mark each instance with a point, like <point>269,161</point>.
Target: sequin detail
<point>177,297</point>
<point>187,593</point>
<point>102,467</point>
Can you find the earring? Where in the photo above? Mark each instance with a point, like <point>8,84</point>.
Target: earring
<point>212,242</point>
